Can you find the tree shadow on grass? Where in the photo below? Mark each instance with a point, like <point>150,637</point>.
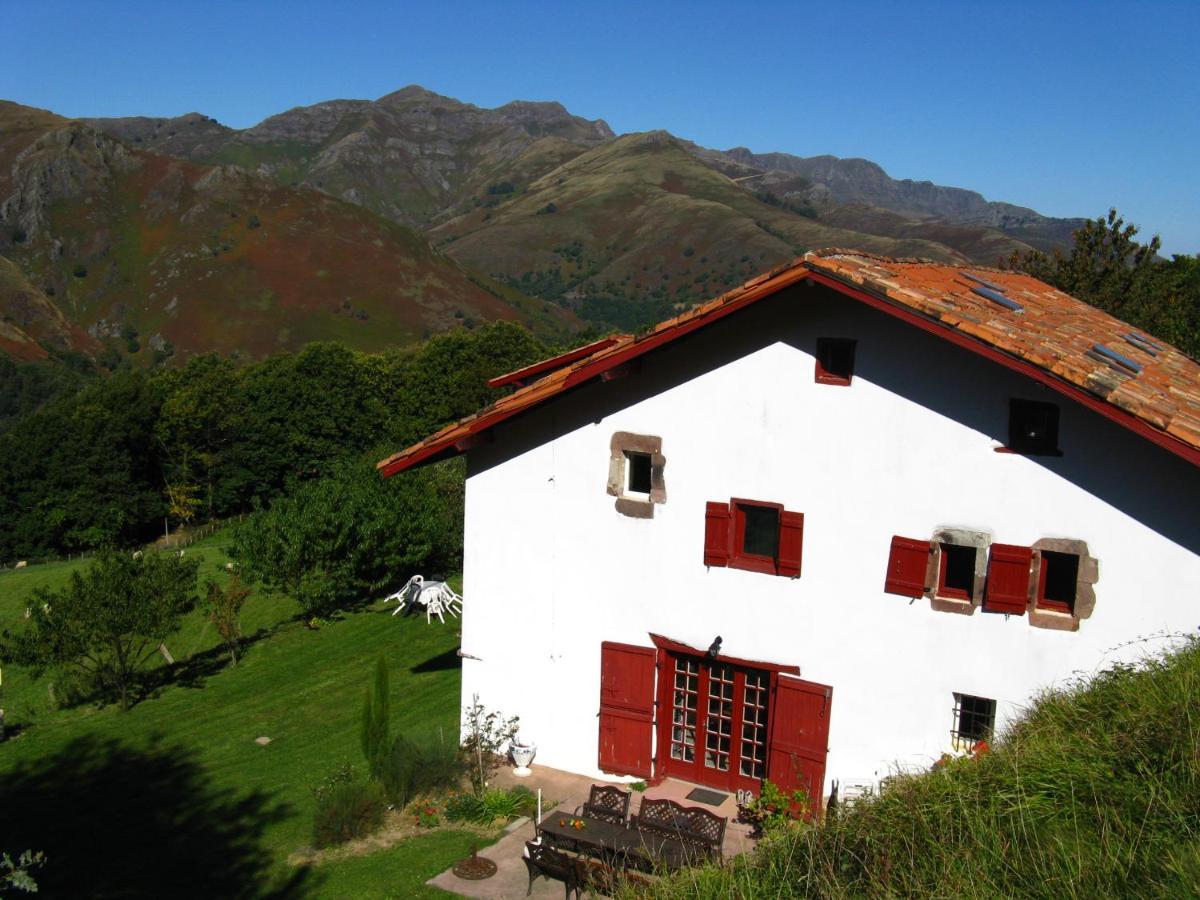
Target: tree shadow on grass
<point>119,821</point>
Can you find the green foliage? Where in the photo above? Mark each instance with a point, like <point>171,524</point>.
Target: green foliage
<point>486,734</point>
<point>772,810</point>
<point>15,874</point>
<point>224,606</point>
<point>107,621</point>
<point>348,811</point>
<point>1095,792</point>
<point>376,720</point>
<point>490,806</point>
<point>82,471</point>
<point>1109,269</point>
<point>421,765</point>
<point>342,540</point>
<point>343,774</point>
<point>27,387</point>
<point>100,466</point>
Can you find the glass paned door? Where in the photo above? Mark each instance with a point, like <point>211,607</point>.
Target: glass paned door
<point>718,723</point>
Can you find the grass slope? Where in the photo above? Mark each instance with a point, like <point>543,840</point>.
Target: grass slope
<point>1095,792</point>
<point>128,794</point>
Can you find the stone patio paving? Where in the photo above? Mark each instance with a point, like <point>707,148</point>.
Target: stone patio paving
<point>570,790</point>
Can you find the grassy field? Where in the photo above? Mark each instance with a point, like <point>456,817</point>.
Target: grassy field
<point>175,798</point>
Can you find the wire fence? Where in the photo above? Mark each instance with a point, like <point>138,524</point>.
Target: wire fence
<point>182,538</point>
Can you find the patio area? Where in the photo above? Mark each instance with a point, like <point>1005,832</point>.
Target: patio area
<point>570,791</point>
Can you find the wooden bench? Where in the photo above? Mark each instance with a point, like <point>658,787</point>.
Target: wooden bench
<point>698,829</point>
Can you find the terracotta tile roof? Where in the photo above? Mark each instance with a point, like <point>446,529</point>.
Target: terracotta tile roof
<point>1012,318</point>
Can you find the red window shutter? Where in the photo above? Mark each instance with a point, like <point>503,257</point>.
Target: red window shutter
<point>791,543</point>
<point>907,565</point>
<point>717,529</point>
<point>626,709</point>
<point>799,737</point>
<point>1008,579</point>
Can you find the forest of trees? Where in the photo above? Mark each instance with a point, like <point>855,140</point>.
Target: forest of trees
<point>105,464</point>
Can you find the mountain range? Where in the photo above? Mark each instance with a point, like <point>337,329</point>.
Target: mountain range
<point>377,222</point>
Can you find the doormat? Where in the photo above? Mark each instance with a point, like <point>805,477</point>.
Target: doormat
<point>704,795</point>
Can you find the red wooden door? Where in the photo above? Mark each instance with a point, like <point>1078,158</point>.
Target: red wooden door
<point>799,737</point>
<point>714,727</point>
<point>626,709</point>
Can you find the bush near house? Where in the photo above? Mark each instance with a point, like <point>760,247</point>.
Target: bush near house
<point>1095,792</point>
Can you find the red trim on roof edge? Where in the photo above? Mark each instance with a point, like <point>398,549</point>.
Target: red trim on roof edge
<point>1106,409</point>
<point>555,362</point>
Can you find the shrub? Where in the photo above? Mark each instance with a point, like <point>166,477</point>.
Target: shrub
<point>80,270</point>
<point>347,811</point>
<point>463,808</point>
<point>373,734</point>
<point>492,805</point>
<point>423,765</point>
<point>486,733</point>
<point>343,774</point>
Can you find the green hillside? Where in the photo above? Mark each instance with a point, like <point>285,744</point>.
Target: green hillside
<point>175,798</point>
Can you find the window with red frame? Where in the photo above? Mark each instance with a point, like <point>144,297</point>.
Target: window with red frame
<point>754,535</point>
<point>1057,581</point>
<point>956,573</point>
<point>835,360</point>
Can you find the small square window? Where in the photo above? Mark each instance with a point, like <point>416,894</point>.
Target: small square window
<point>1057,581</point>
<point>637,469</point>
<point>835,360</point>
<point>754,535</point>
<point>758,530</point>
<point>956,573</point>
<point>974,720</point>
<point>1033,428</point>
<point>635,474</point>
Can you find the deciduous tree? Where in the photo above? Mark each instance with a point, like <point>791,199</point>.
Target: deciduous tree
<point>109,620</point>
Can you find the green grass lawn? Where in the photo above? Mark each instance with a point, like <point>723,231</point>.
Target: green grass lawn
<point>174,797</point>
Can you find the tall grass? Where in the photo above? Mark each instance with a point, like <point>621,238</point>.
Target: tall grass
<point>1095,792</point>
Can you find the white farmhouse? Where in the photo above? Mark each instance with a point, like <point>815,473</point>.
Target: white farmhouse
<point>845,518</point>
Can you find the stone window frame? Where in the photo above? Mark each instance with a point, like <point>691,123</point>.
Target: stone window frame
<point>1085,580</point>
<point>962,537</point>
<point>639,506</point>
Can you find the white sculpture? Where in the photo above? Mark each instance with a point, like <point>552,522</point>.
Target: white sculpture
<point>436,597</point>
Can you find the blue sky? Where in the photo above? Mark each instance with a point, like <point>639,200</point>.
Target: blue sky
<point>1066,107</point>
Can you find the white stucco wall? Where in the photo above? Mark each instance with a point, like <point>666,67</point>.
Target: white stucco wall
<point>551,569</point>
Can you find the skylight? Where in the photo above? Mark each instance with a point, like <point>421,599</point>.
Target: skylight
<point>995,297</point>
<point>1116,360</point>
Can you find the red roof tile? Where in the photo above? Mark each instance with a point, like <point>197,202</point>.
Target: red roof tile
<point>1053,338</point>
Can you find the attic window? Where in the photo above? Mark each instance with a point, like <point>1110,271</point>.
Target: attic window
<point>1033,428</point>
<point>635,473</point>
<point>835,360</point>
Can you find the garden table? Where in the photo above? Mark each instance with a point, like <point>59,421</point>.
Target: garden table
<point>618,845</point>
